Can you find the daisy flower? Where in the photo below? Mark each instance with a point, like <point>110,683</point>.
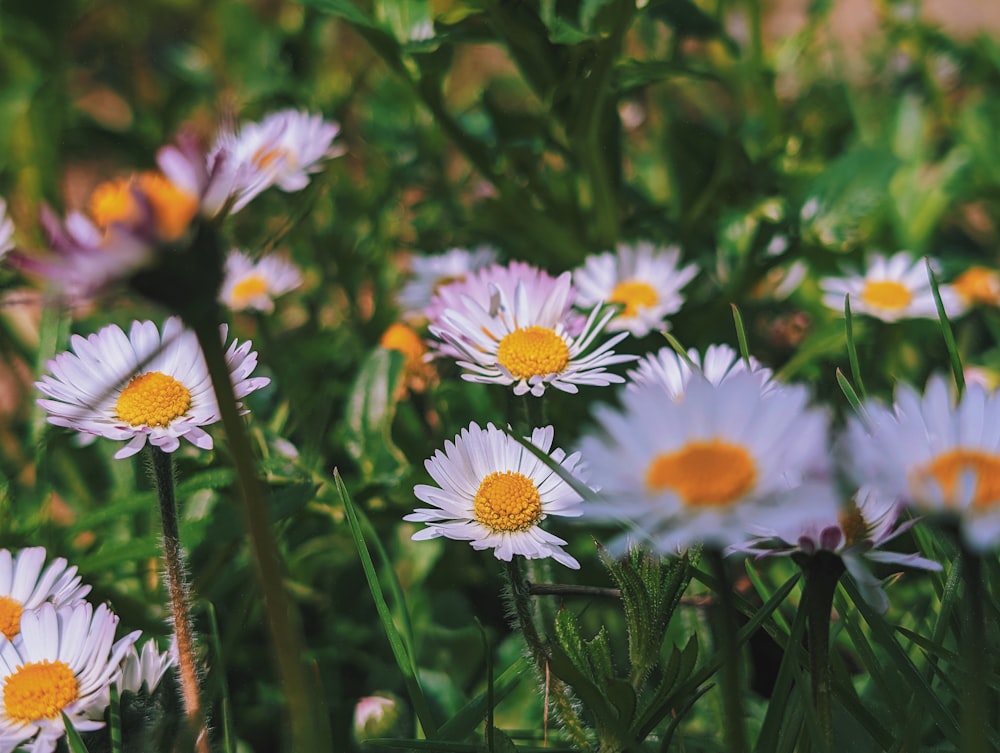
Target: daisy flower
<point>524,340</point>
<point>62,663</point>
<point>254,285</point>
<point>142,671</point>
<point>706,468</point>
<point>430,273</point>
<point>644,279</point>
<point>494,493</point>
<point>672,372</point>
<point>142,386</point>
<point>936,454</point>
<point>868,522</point>
<point>6,230</point>
<point>978,286</point>
<point>24,586</point>
<point>890,289</point>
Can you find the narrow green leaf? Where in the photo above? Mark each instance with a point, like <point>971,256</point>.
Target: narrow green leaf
<point>850,394</point>
<point>679,349</point>
<point>949,336</point>
<point>472,713</point>
<point>741,334</point>
<point>73,739</point>
<point>228,732</point>
<point>852,351</point>
<point>115,719</point>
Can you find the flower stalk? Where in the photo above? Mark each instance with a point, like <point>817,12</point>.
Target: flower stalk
<point>974,713</point>
<point>822,572</point>
<point>730,680</point>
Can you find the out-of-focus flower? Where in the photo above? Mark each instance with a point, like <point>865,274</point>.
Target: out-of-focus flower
<point>141,672</point>
<point>780,282</point>
<point>890,289</point>
<point>430,273</point>
<point>669,370</point>
<point>978,286</point>
<point>254,285</point>
<point>146,205</point>
<point>644,279</point>
<point>65,667</point>
<point>6,230</point>
<point>142,386</point>
<point>417,372</point>
<point>380,715</point>
<point>494,493</point>
<point>868,522</point>
<point>704,469</point>
<point>24,586</point>
<point>523,341</point>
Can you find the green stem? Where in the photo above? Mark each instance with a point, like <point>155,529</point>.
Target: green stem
<point>730,681</point>
<point>822,572</point>
<point>179,595</point>
<point>974,718</point>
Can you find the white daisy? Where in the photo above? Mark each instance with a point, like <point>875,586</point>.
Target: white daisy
<point>62,663</point>
<point>430,273</point>
<point>254,285</point>
<point>645,279</point>
<point>24,586</point>
<point>525,340</point>
<point>6,230</point>
<point>494,493</point>
<point>890,289</point>
<point>672,372</point>
<point>706,468</point>
<point>142,386</point>
<point>142,672</point>
<point>937,455</point>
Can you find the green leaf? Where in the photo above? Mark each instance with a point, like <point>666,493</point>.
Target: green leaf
<point>946,332</point>
<point>852,351</point>
<point>371,407</point>
<point>73,739</point>
<point>475,711</point>
<point>850,394</point>
<point>741,334</point>
<point>686,18</point>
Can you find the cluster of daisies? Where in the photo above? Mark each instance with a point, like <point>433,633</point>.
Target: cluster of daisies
<point>58,655</point>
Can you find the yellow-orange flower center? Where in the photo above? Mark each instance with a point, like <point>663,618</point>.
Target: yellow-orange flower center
<point>39,690</point>
<point>533,351</point>
<point>117,201</point>
<point>948,469</point>
<point>10,617</point>
<point>853,524</point>
<point>709,473</point>
<point>635,294</point>
<point>248,289</point>
<point>886,294</point>
<point>507,501</point>
<point>264,157</point>
<point>979,285</point>
<point>406,341</point>
<point>114,201</point>
<point>152,399</point>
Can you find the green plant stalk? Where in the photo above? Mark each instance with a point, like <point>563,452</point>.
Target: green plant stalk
<point>179,594</point>
<point>309,726</point>
<point>732,691</point>
<point>974,717</point>
<point>822,572</point>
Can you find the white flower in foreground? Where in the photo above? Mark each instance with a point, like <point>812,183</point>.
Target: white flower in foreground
<point>249,284</point>
<point>645,279</point>
<point>142,672</point>
<point>524,341</point>
<point>672,372</point>
<point>428,274</point>
<point>142,386</point>
<point>6,230</point>
<point>890,289</point>
<point>855,535</point>
<point>62,663</point>
<point>494,493</point>
<point>706,468</point>
<point>24,586</point>
<point>936,455</point>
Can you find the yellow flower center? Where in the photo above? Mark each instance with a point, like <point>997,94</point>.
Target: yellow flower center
<point>533,351</point>
<point>979,285</point>
<point>10,617</point>
<point>264,157</point>
<point>704,474</point>
<point>507,501</point>
<point>948,468</point>
<point>247,289</point>
<point>39,690</point>
<point>115,202</point>
<point>406,341</point>
<point>853,524</point>
<point>886,294</point>
<point>152,399</point>
<point>635,294</point>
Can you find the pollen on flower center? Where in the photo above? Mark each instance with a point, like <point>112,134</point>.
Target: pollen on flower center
<point>886,294</point>
<point>948,468</point>
<point>533,351</point>
<point>704,474</point>
<point>635,294</point>
<point>152,399</point>
<point>507,501</point>
<point>10,616</point>
<point>248,288</point>
<point>853,524</point>
<point>39,690</point>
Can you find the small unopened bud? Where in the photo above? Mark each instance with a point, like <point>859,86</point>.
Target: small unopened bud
<point>382,714</point>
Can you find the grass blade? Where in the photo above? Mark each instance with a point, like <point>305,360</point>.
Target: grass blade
<point>73,739</point>
<point>741,335</point>
<point>852,350</point>
<point>946,331</point>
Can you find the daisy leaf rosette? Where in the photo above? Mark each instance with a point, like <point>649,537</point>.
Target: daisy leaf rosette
<point>494,493</point>
<point>939,455</point>
<point>25,585</point>
<point>706,468</point>
<point>644,279</point>
<point>63,662</point>
<point>428,274</point>
<point>249,284</point>
<point>667,368</point>
<point>147,385</point>
<point>524,340</point>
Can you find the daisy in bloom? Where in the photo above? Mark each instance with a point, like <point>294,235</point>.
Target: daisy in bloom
<point>644,279</point>
<point>254,285</point>
<point>890,289</point>
<point>856,535</point>
<point>62,663</point>
<point>6,230</point>
<point>430,273</point>
<point>936,454</point>
<point>142,671</point>
<point>706,468</point>
<point>142,386</point>
<point>672,372</point>
<point>524,340</point>
<point>24,586</point>
<point>978,286</point>
<point>494,493</point>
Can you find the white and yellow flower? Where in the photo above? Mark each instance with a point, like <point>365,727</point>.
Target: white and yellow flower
<point>144,386</point>
<point>141,672</point>
<point>249,284</point>
<point>644,279</point>
<point>25,586</point>
<point>429,274</point>
<point>494,493</point>
<point>672,372</point>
